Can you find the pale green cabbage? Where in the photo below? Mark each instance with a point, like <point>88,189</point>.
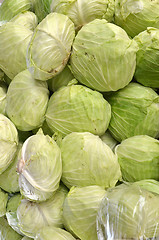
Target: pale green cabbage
<point>138,157</point>
<point>14,40</point>
<point>78,109</point>
<point>6,232</point>
<point>27,101</point>
<point>136,15</point>
<point>135,110</point>
<point>82,12</point>
<point>80,210</point>
<point>11,213</point>
<point>98,62</point>
<point>62,79</point>
<point>8,142</point>
<point>50,46</point>
<point>40,167</point>
<point>42,8</point>
<point>27,19</point>
<point>3,93</point>
<point>9,178</point>
<point>109,140</point>
<point>128,212</point>
<point>86,161</point>
<point>147,66</point>
<point>3,203</point>
<point>52,233</point>
<point>33,216</point>
<point>11,8</point>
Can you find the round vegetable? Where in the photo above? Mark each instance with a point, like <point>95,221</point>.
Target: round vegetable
<point>136,15</point>
<point>50,46</point>
<point>88,162</point>
<point>78,109</point>
<point>98,62</point>
<point>80,210</point>
<point>138,157</point>
<point>8,142</point>
<point>128,212</point>
<point>27,101</point>
<point>47,213</point>
<point>82,12</point>
<point>52,233</point>
<point>40,167</point>
<point>135,110</point>
<point>14,40</point>
<point>11,213</point>
<point>148,58</point>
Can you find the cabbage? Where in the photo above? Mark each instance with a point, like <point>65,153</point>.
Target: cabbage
<point>86,161</point>
<point>98,62</point>
<point>135,110</point>
<point>78,109</point>
<point>138,157</point>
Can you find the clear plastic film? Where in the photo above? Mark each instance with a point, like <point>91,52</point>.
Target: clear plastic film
<point>128,212</point>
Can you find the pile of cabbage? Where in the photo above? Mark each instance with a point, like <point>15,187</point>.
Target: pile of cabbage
<point>79,119</point>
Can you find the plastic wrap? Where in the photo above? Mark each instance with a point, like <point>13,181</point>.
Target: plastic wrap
<point>128,212</point>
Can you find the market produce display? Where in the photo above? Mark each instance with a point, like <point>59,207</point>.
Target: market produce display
<point>79,120</point>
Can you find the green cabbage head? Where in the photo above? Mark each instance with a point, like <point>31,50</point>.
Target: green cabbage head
<point>138,157</point>
<point>6,232</point>
<point>40,167</point>
<point>8,142</point>
<point>82,12</point>
<point>80,210</point>
<point>11,8</point>
<point>27,100</point>
<point>136,15</point>
<point>128,212</point>
<point>76,108</point>
<point>147,68</point>
<point>88,162</point>
<point>50,46</point>
<point>98,62</point>
<point>32,216</point>
<point>52,233</point>
<point>135,111</point>
<point>14,40</point>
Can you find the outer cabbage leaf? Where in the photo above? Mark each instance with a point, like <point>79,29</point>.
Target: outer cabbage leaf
<point>3,93</point>
<point>27,19</point>
<point>42,8</point>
